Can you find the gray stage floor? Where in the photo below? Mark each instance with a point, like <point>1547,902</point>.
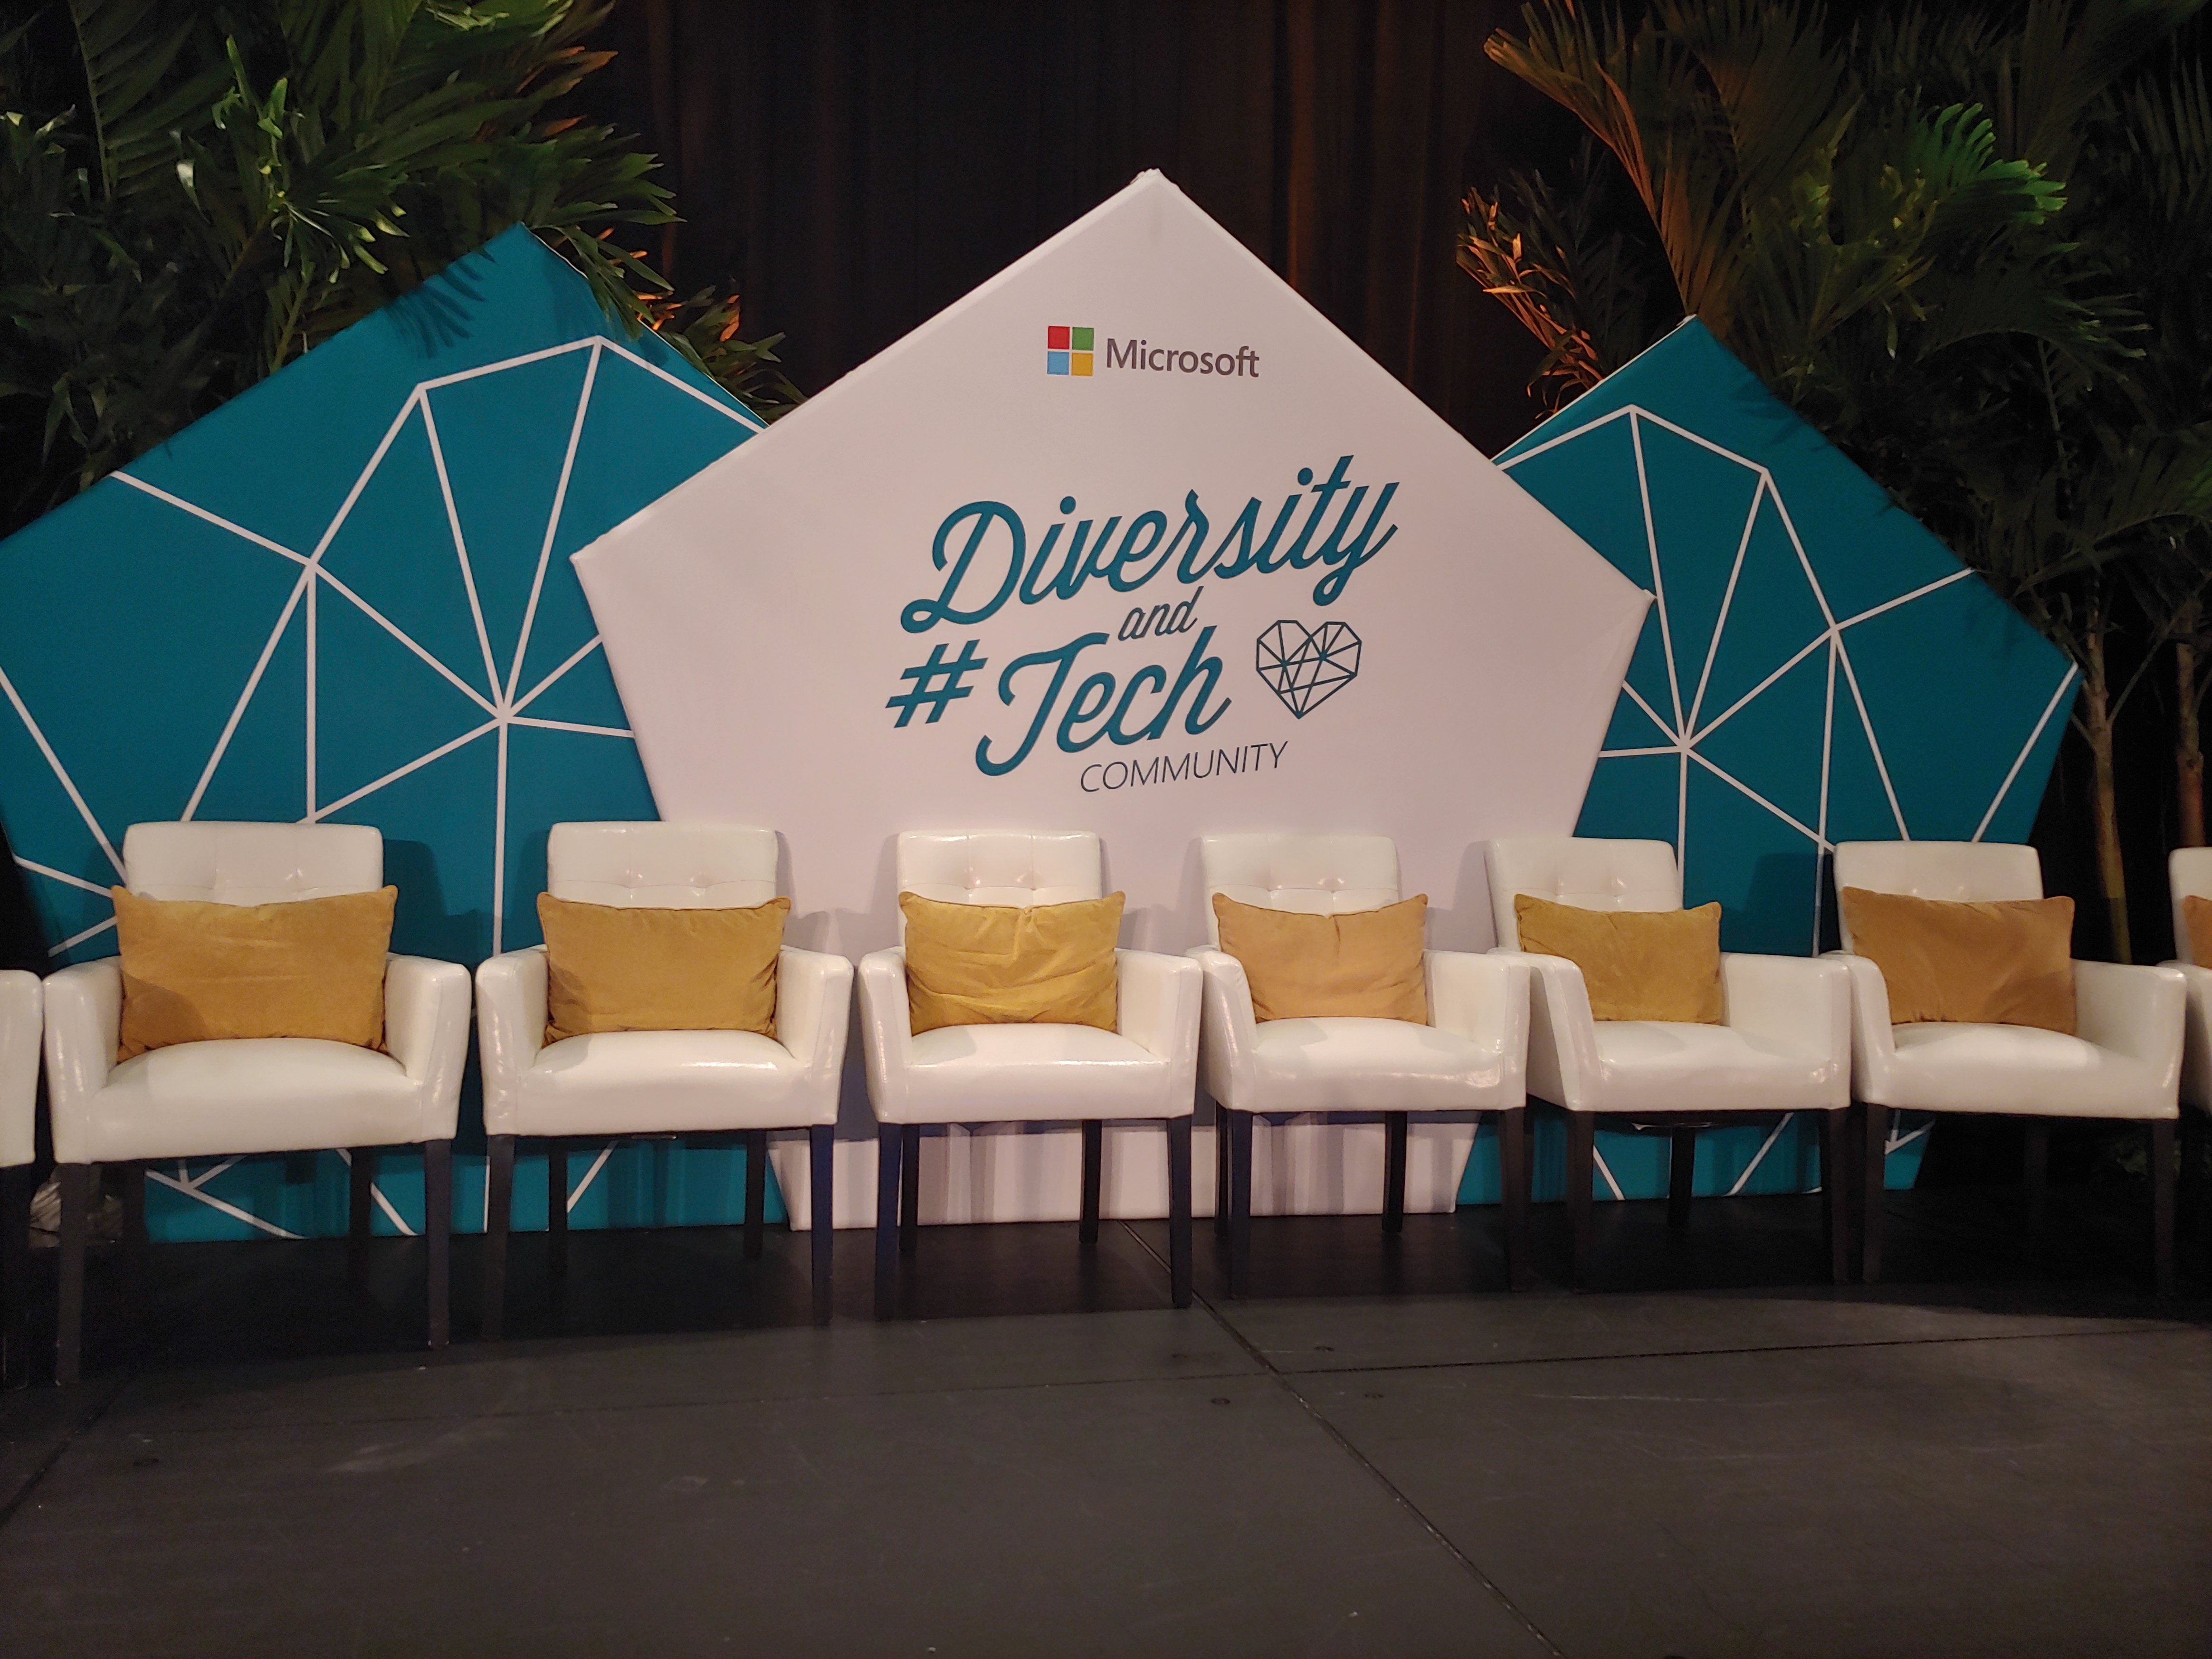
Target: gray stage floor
<point>1380,1453</point>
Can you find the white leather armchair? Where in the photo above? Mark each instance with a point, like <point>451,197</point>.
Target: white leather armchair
<point>1146,1068</point>
<point>1469,1058</point>
<point>265,1095</point>
<point>1784,1044</point>
<point>613,1084</point>
<point>23,1013</point>
<point>2124,1062</point>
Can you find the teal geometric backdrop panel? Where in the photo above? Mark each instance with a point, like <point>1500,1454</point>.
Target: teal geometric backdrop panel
<point>1815,667</point>
<point>345,596</point>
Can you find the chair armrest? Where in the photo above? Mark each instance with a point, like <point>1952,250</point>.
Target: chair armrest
<point>1874,1043</point>
<point>510,997</point>
<point>84,1022</point>
<point>1484,999</point>
<point>426,1030</point>
<point>886,1030</point>
<point>1229,1031</point>
<point>2196,1044</point>
<point>1563,1063</point>
<point>22,1017</point>
<point>814,1007</point>
<point>2141,1012</point>
<point>1156,1007</point>
<point>1800,1004</point>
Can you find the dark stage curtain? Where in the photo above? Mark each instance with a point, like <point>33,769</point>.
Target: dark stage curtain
<point>852,168</point>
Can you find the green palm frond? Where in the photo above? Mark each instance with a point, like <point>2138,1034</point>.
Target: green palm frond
<point>130,51</point>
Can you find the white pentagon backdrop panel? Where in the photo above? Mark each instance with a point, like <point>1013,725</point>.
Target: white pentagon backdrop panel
<point>1131,539</point>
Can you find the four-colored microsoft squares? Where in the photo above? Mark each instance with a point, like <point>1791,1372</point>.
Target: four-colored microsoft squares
<point>1067,350</point>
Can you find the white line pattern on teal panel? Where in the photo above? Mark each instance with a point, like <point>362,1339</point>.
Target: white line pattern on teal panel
<point>501,706</point>
<point>1683,733</point>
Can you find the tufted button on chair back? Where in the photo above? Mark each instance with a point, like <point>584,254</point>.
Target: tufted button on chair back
<point>1313,875</point>
<point>2189,874</point>
<point>1952,869</point>
<point>958,868</point>
<point>1587,873</point>
<point>252,863</point>
<point>661,867</point>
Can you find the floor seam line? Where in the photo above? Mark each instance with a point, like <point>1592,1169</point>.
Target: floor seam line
<point>83,1427</point>
<point>1283,1381</point>
<point>1714,1353</point>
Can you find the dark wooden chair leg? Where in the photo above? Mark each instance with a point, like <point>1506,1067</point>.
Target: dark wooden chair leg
<point>133,1179</point>
<point>557,1208</point>
<point>2196,1179</point>
<point>438,1233</point>
<point>76,1220</point>
<point>14,1275</point>
<point>1513,1194</point>
<point>1221,1171</point>
<point>821,1183</point>
<point>1179,1210</point>
<point>1394,1136</point>
<point>891,1138</point>
<point>1835,1191</point>
<point>909,1227</point>
<point>499,1204</point>
<point>2035,1177</point>
<point>1681,1174</point>
<point>1094,1177</point>
<point>1874,1164</point>
<point>361,1201</point>
<point>2189,1212</point>
<point>1582,1171</point>
<point>1240,1203</point>
<point>2159,1134</point>
<point>755,1192</point>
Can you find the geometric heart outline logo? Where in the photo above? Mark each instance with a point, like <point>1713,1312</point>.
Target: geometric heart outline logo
<point>1306,668</point>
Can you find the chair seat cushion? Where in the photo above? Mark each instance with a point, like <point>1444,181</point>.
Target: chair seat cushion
<point>613,1083</point>
<point>1669,1066</point>
<point>1958,1067</point>
<point>1035,1073</point>
<point>1342,1063</point>
<point>252,1095</point>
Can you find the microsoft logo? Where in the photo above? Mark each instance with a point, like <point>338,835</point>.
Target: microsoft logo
<point>1067,350</point>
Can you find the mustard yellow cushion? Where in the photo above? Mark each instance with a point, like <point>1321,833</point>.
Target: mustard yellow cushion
<point>1011,965</point>
<point>622,968</point>
<point>194,970</point>
<point>1637,965</point>
<point>2196,917</point>
<point>1365,963</point>
<point>2004,962</point>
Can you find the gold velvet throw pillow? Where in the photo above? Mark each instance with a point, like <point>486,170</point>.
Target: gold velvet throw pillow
<point>194,971</point>
<point>2196,917</point>
<point>631,968</point>
<point>2004,962</point>
<point>1011,965</point>
<point>1365,963</point>
<point>1637,965</point>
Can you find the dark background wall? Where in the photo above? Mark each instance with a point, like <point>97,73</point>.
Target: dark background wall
<point>852,168</point>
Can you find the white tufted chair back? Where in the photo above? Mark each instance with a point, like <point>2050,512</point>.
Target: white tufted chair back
<point>661,867</point>
<point>252,863</point>
<point>963,867</point>
<point>2189,874</point>
<point>1953,870</point>
<point>1591,873</point>
<point>1313,875</point>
